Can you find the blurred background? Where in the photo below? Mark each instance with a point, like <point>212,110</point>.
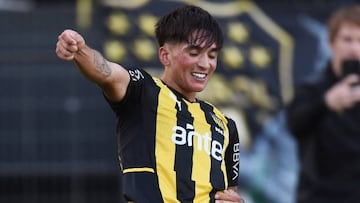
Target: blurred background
<point>57,133</point>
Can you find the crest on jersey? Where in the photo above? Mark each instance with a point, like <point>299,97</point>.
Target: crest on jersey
<point>218,121</point>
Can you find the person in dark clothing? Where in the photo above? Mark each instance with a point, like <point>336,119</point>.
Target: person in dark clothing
<point>324,116</point>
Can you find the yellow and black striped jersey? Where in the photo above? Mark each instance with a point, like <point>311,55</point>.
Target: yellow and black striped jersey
<point>170,149</point>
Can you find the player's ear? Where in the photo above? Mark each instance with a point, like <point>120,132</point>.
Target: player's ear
<point>164,55</point>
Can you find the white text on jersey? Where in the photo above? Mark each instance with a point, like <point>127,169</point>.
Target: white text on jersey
<point>211,147</point>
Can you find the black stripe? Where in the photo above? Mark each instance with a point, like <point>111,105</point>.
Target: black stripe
<point>183,158</point>
<point>216,175</point>
<point>136,191</point>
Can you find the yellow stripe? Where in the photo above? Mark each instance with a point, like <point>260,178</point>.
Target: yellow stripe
<point>165,148</point>
<point>200,170</point>
<point>131,170</point>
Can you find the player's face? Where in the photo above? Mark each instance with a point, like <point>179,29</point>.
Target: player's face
<point>346,45</point>
<point>190,67</point>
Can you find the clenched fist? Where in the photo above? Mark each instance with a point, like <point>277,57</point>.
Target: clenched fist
<point>69,44</point>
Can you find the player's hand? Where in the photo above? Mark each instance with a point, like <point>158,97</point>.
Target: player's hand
<point>68,44</point>
<point>228,196</point>
<point>344,94</point>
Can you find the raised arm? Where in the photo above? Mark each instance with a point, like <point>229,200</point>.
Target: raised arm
<point>112,78</point>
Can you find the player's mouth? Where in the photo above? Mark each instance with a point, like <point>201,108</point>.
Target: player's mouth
<point>199,75</point>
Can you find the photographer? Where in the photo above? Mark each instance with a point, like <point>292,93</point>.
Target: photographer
<point>324,116</point>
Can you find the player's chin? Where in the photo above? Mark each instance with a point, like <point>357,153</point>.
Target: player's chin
<point>197,85</point>
<point>198,88</point>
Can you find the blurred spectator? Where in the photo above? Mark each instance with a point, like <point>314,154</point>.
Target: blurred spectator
<point>324,117</point>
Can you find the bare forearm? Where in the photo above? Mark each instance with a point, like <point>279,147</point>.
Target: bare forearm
<point>111,77</point>
<point>93,65</point>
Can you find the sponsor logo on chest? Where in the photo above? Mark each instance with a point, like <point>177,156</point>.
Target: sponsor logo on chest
<point>204,142</point>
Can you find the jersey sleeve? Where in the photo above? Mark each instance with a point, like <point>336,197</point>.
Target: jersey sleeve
<point>232,155</point>
<point>134,90</point>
